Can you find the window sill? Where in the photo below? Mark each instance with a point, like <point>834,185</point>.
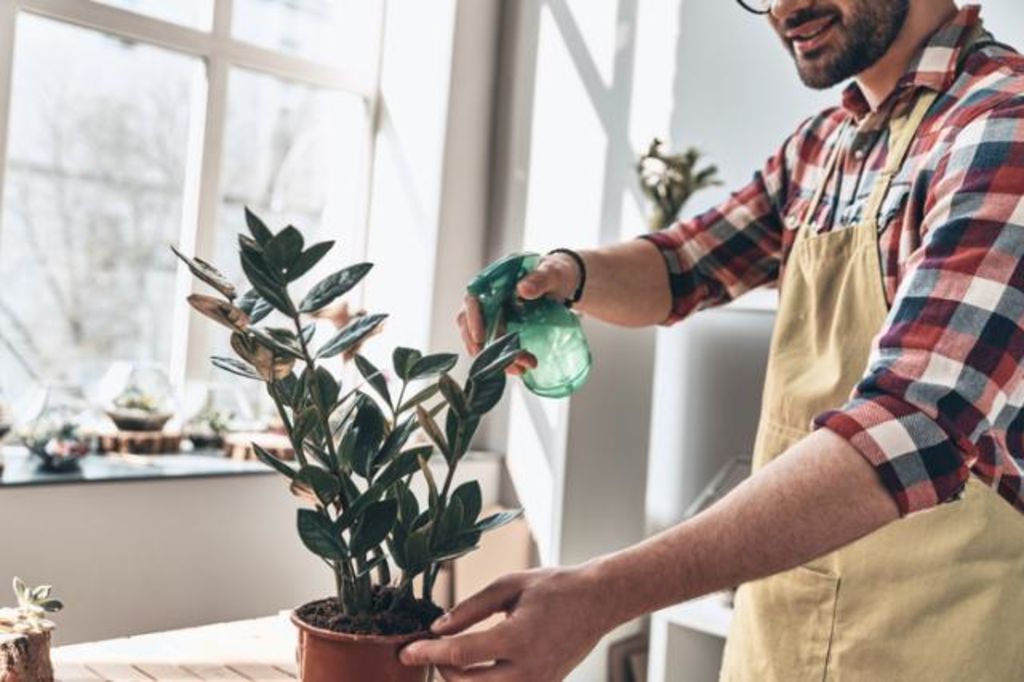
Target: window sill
<point>20,470</point>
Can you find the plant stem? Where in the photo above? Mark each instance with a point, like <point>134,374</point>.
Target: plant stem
<point>311,365</point>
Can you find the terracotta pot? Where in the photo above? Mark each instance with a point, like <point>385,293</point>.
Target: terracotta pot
<point>325,656</point>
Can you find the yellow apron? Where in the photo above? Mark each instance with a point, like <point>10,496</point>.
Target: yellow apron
<point>937,596</point>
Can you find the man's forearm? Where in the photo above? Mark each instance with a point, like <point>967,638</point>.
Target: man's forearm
<point>627,285</point>
<point>818,496</point>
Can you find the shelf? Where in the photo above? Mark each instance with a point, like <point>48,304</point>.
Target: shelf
<point>708,615</point>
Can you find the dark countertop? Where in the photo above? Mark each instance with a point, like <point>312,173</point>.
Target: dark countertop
<point>21,470</point>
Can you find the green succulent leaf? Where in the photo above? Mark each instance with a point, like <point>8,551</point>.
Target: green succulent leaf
<point>432,365</point>
<point>495,521</point>
<point>430,427</point>
<point>369,430</point>
<point>396,440</point>
<point>318,535</point>
<point>417,551</point>
<point>308,260</point>
<point>373,526</point>
<point>207,273</point>
<point>281,341</point>
<point>254,306</point>
<point>408,506</point>
<point>273,462</point>
<point>265,282</point>
<point>369,566</point>
<point>20,590</point>
<point>503,349</point>
<point>466,545</point>
<point>453,394</point>
<point>328,388</point>
<point>41,593</point>
<point>324,485</point>
<point>351,335</point>
<point>421,396</point>
<point>333,286</point>
<point>260,232</point>
<point>459,432</point>
<point>242,369</point>
<point>485,392</point>
<point>285,389</point>
<point>51,605</point>
<point>374,377</point>
<point>284,248</point>
<point>469,496</point>
<point>403,360</point>
<point>451,521</point>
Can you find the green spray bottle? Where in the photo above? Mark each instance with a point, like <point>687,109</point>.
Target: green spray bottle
<point>547,328</point>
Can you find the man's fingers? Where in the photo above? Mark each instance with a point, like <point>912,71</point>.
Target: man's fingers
<point>495,598</point>
<point>457,652</point>
<point>475,321</point>
<point>487,673</point>
<point>541,281</point>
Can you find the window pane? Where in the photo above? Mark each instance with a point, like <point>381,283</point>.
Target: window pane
<point>334,31</point>
<point>192,13</point>
<point>93,196</point>
<point>294,155</point>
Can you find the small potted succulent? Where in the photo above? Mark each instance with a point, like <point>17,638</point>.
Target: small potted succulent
<point>25,634</point>
<point>670,180</point>
<point>357,452</point>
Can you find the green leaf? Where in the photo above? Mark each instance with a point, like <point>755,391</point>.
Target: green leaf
<point>469,495</point>
<point>374,377</point>
<point>374,525</point>
<point>308,260</point>
<point>242,369</point>
<point>460,432</point>
<point>318,535</point>
<point>453,394</point>
<point>207,273</point>
<point>494,350</point>
<point>425,394</point>
<point>451,521</point>
<point>51,605</point>
<point>281,341</point>
<point>254,306</point>
<point>396,440</point>
<point>408,506</point>
<point>429,426</point>
<point>308,332</point>
<point>428,476</point>
<point>260,232</point>
<point>20,590</point>
<point>496,521</point>
<point>327,388</point>
<point>272,461</point>
<point>351,335</point>
<point>334,286</point>
<point>432,365</point>
<point>284,249</point>
<point>417,551</point>
<point>369,428</point>
<point>403,360</point>
<point>286,389</point>
<point>41,593</point>
<point>486,391</point>
<point>322,483</point>
<point>265,284</point>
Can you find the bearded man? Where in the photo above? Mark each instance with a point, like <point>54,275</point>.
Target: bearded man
<point>880,537</point>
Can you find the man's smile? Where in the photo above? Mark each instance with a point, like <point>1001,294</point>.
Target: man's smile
<point>811,35</point>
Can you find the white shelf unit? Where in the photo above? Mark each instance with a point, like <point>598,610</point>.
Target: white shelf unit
<point>687,640</point>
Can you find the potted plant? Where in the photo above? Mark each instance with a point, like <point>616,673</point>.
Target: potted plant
<point>356,453</point>
<point>25,635</point>
<point>670,180</point>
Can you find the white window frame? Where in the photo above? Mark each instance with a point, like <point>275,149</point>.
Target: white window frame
<point>219,52</point>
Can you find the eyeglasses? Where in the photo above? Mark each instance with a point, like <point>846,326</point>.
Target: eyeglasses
<point>757,6</point>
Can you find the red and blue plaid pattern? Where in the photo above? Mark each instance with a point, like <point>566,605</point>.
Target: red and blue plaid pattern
<point>943,393</point>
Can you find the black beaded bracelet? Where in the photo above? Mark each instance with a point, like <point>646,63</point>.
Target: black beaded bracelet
<point>578,294</point>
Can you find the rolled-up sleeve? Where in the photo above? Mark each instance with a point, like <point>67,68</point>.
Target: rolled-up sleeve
<point>735,247</point>
<point>943,387</point>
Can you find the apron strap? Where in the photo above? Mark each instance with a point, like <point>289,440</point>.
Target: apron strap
<point>830,166</point>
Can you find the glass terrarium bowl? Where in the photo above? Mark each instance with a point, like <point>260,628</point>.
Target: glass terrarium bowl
<point>214,410</point>
<point>53,426</point>
<point>137,396</point>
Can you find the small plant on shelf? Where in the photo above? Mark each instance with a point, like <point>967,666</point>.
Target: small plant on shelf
<point>357,451</point>
<point>670,180</point>
<point>29,616</point>
<point>25,634</point>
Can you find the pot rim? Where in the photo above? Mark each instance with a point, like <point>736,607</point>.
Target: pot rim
<point>356,638</point>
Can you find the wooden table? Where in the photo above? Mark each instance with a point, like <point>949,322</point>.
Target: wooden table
<point>260,650</point>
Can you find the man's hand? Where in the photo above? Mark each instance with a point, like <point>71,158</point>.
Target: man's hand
<point>554,617</point>
<point>556,276</point>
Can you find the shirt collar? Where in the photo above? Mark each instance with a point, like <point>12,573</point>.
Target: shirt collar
<point>935,67</point>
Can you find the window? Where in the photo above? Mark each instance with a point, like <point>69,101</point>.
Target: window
<point>128,125</point>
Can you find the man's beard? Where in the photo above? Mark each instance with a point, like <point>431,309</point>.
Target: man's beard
<point>861,38</point>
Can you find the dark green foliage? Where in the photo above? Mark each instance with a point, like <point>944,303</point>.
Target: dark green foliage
<point>353,465</point>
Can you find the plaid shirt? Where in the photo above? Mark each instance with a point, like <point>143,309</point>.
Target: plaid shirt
<point>943,392</point>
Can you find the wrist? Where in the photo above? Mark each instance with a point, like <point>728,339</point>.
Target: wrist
<point>602,581</point>
<point>573,266</point>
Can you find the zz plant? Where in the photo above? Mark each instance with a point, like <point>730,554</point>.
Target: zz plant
<point>357,451</point>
